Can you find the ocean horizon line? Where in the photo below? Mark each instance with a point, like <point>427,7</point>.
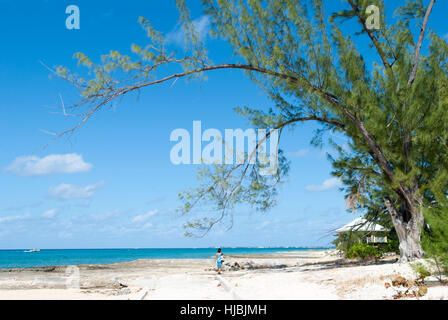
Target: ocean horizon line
<point>178,248</point>
<point>29,258</point>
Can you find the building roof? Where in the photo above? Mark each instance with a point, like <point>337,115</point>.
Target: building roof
<point>361,224</point>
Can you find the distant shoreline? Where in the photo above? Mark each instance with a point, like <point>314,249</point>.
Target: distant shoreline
<point>173,248</point>
<point>20,259</point>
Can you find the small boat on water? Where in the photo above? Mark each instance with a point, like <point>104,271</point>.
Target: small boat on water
<point>33,250</point>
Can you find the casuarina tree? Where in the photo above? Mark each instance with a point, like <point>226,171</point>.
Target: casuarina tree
<point>388,99</point>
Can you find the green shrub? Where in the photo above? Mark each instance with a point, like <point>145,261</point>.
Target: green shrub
<point>421,271</point>
<point>392,245</point>
<point>363,251</point>
<point>435,240</point>
<point>346,240</point>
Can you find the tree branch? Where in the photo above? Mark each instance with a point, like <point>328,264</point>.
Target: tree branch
<point>419,44</point>
<point>329,121</point>
<point>121,91</point>
<point>375,41</point>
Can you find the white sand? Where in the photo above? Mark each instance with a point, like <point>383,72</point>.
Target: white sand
<point>305,275</point>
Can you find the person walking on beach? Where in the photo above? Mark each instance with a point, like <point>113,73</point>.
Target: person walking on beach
<point>219,260</point>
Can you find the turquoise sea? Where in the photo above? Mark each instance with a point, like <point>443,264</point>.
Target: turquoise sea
<point>62,257</point>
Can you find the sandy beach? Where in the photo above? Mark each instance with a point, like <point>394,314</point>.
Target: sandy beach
<point>313,274</point>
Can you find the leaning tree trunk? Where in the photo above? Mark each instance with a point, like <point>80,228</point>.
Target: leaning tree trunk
<point>408,223</point>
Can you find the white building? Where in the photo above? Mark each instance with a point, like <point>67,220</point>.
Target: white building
<point>374,233</point>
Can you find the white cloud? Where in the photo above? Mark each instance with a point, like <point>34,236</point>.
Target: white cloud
<point>144,217</point>
<point>326,185</point>
<point>50,214</point>
<point>146,226</point>
<point>263,225</point>
<point>13,218</point>
<point>68,191</point>
<point>202,26</point>
<point>299,153</point>
<point>55,163</point>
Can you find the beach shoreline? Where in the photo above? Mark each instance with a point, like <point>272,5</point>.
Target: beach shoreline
<point>310,274</point>
<point>49,258</point>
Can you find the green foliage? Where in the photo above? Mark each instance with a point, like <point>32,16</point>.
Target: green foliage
<point>435,239</point>
<point>346,240</point>
<point>392,246</point>
<point>222,187</point>
<point>363,251</point>
<point>421,270</point>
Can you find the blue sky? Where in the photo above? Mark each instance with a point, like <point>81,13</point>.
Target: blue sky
<point>112,184</point>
